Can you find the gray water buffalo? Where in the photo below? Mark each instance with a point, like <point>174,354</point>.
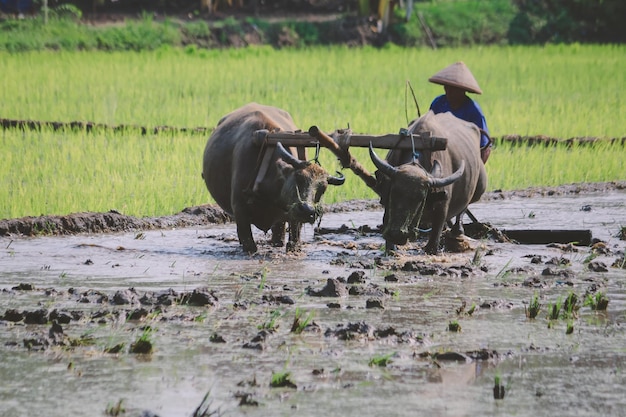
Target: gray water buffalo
<point>433,187</point>
<point>287,190</point>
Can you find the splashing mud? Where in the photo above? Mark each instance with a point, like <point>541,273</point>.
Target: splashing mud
<point>339,329</point>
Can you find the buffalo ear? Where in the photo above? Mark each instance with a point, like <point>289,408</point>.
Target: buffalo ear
<point>284,169</point>
<point>436,170</point>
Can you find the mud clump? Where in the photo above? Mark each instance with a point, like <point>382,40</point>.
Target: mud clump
<point>110,222</point>
<point>199,297</point>
<point>333,288</point>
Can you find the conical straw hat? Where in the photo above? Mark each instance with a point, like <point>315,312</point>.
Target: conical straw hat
<point>457,75</point>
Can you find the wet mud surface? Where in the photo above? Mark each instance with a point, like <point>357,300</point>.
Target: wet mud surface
<point>156,313</point>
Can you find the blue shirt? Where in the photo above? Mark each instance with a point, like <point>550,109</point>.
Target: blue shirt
<point>470,111</point>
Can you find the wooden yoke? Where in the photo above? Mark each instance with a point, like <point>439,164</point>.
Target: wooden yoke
<point>347,160</point>
<point>341,143</point>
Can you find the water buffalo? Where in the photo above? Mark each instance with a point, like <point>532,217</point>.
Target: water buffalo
<point>433,187</point>
<point>288,191</point>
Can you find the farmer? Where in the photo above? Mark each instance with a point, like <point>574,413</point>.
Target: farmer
<point>457,79</point>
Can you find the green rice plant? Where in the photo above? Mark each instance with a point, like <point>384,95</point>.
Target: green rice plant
<point>271,324</point>
<point>143,344</point>
<point>471,309</point>
<point>381,360</point>
<point>503,273</point>
<point>498,389</point>
<point>85,339</point>
<point>117,348</point>
<point>619,263</point>
<point>533,308</point>
<point>571,305</point>
<point>598,301</point>
<point>204,408</point>
<point>478,256</point>
<point>554,310</point>
<point>116,409</point>
<point>570,327</point>
<point>300,323</point>
<point>454,326</point>
<point>60,172</point>
<point>264,272</point>
<point>282,379</point>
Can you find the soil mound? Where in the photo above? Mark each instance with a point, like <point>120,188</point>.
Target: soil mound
<point>114,221</point>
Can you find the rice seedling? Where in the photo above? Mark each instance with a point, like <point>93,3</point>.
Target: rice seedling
<point>85,339</point>
<point>381,360</point>
<point>598,301</point>
<point>504,272</point>
<point>533,308</point>
<point>204,408</point>
<point>271,324</point>
<point>571,305</point>
<point>116,409</point>
<point>144,174</point>
<point>114,349</point>
<point>264,272</point>
<point>498,388</point>
<point>454,326</point>
<point>282,379</point>
<point>300,323</point>
<point>143,344</point>
<point>554,310</point>
<point>471,309</point>
<point>478,256</point>
<point>570,327</point>
<point>619,263</point>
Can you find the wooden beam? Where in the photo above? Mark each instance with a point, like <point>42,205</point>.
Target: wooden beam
<point>389,141</point>
<point>545,236</point>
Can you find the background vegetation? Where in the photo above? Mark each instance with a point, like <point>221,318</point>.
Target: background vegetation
<point>72,25</point>
<point>558,90</point>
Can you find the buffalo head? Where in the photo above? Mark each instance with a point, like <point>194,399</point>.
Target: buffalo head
<point>302,185</point>
<point>406,188</point>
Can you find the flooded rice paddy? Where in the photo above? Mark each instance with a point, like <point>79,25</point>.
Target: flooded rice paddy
<point>339,330</point>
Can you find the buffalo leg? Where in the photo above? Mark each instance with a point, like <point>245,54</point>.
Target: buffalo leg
<point>293,245</point>
<point>244,233</point>
<point>389,245</point>
<point>278,234</point>
<point>439,220</point>
<point>457,229</point>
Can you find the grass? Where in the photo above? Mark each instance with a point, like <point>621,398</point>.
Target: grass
<point>527,92</point>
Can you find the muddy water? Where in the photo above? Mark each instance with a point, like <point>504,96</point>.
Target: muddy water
<point>219,347</point>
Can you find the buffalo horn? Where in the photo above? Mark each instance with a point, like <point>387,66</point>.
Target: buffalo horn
<point>382,165</point>
<point>289,158</point>
<point>442,182</point>
<point>339,180</point>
